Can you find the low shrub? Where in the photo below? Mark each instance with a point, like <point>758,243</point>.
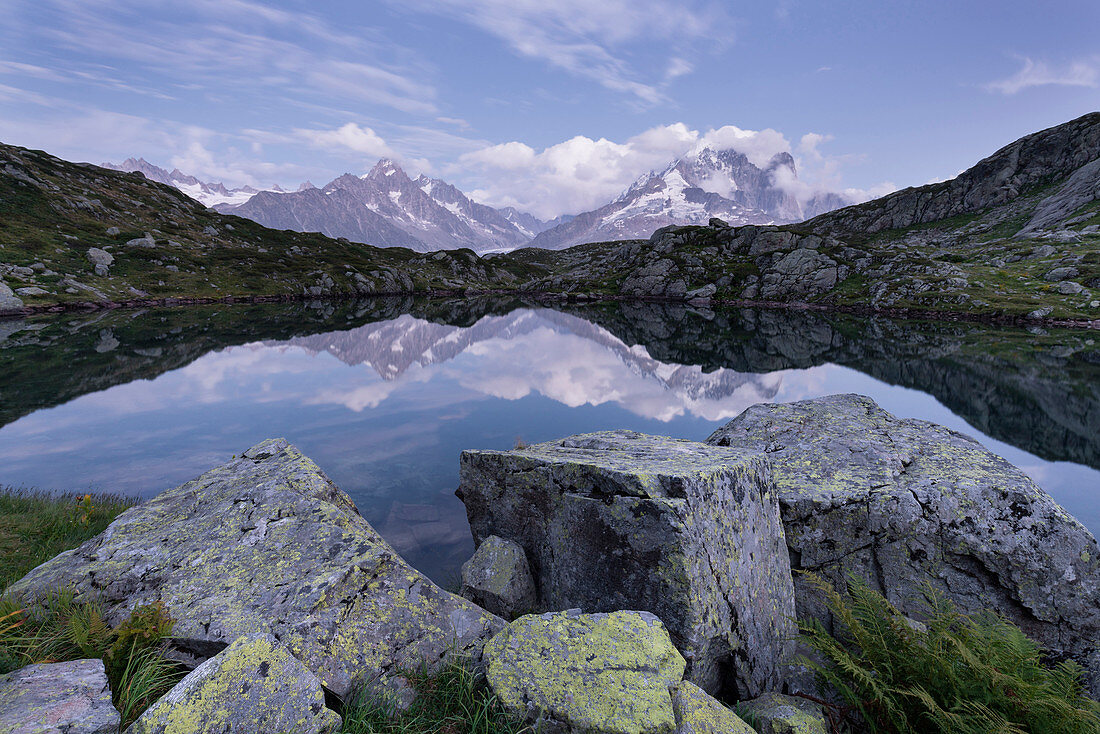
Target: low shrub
<point>955,673</point>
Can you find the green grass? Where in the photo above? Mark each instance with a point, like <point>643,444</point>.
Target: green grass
<point>451,701</point>
<point>36,526</point>
<point>955,674</point>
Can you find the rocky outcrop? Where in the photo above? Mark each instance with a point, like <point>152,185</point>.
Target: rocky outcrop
<point>902,502</point>
<point>58,698</point>
<point>614,673</point>
<point>267,543</point>
<point>498,579</point>
<point>774,713</point>
<point>620,520</point>
<point>254,685</point>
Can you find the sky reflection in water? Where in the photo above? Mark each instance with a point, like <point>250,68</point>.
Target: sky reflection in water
<point>386,408</point>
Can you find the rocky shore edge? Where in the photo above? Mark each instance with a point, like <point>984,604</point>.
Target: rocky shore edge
<point>622,583</point>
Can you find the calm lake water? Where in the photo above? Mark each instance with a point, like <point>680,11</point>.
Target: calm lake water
<point>385,394</point>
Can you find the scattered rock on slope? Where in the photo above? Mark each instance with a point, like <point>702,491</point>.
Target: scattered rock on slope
<point>267,543</point>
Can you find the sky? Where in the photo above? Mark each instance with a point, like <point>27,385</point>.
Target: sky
<point>553,106</point>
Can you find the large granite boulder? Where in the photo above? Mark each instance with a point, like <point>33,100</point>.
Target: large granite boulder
<point>254,685</point>
<point>267,543</point>
<point>899,502</point>
<point>621,520</point>
<point>498,578</point>
<point>9,302</point>
<point>51,698</point>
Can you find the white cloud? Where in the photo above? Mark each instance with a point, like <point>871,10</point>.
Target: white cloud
<point>349,137</point>
<point>1080,73</point>
<point>586,38</point>
<point>580,174</point>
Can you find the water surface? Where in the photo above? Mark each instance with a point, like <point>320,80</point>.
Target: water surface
<point>385,394</point>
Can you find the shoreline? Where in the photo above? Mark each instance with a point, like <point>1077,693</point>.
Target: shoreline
<point>995,318</point>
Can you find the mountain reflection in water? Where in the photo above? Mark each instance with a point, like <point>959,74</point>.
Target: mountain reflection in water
<point>384,394</point>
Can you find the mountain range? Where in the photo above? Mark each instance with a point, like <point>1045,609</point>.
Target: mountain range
<point>386,207</point>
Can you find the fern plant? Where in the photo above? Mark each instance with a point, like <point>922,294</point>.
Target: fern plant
<point>956,673</point>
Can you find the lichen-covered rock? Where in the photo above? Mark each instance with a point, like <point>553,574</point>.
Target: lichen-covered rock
<point>774,713</point>
<point>9,302</point>
<point>573,672</point>
<point>254,685</point>
<point>801,272</point>
<point>267,543</point>
<point>498,578</point>
<point>699,713</point>
<point>621,520</point>
<point>900,502</point>
<point>58,698</point>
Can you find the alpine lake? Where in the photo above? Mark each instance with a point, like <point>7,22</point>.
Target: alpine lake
<point>384,394</point>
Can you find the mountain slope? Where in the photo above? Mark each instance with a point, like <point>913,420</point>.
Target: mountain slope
<point>692,190</point>
<point>387,208</point>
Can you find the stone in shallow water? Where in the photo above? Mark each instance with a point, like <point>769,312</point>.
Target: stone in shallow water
<point>573,672</point>
<point>267,543</point>
<point>498,578</point>
<point>900,501</point>
<point>621,520</point>
<point>51,698</point>
<point>254,685</point>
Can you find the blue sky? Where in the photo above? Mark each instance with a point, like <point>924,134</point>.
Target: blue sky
<point>551,105</point>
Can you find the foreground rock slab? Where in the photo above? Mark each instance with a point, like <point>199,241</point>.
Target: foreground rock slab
<point>58,698</point>
<point>573,672</point>
<point>268,544</point>
<point>254,685</point>
<point>699,713</point>
<point>499,579</point>
<point>621,520</point>
<point>898,502</point>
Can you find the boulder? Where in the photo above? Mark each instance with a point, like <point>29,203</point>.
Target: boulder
<point>573,672</point>
<point>50,698</point>
<point>802,272</point>
<point>101,260</point>
<point>9,303</point>
<point>774,713</point>
<point>254,685</point>
<point>621,520</point>
<point>498,578</point>
<point>1059,274</point>
<point>698,713</point>
<point>901,502</point>
<point>32,291</point>
<point>267,543</point>
<point>148,241</point>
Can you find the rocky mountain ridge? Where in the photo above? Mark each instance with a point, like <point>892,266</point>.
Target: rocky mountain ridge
<point>703,185</point>
<point>210,194</point>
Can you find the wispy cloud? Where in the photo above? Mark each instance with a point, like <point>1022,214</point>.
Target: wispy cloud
<point>588,39</point>
<point>1079,73</point>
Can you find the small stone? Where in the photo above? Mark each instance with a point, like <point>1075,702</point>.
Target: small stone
<point>499,579</point>
<point>72,697</point>
<point>147,241</point>
<point>1040,313</point>
<point>775,713</point>
<point>1070,288</point>
<point>1063,273</point>
<point>1094,304</point>
<point>254,685</point>
<point>113,231</point>
<point>101,260</point>
<point>574,672</point>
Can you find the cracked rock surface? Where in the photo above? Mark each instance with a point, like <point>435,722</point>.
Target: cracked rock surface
<point>58,698</point>
<point>266,543</point>
<point>900,501</point>
<point>499,579</point>
<point>254,685</point>
<point>621,520</point>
